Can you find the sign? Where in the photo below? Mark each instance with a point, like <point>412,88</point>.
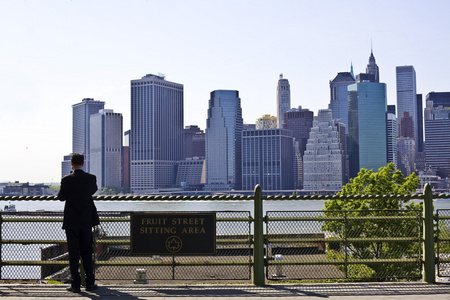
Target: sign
<point>173,233</point>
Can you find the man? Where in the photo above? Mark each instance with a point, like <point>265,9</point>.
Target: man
<point>80,215</point>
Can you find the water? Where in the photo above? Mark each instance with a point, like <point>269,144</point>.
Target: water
<point>178,206</point>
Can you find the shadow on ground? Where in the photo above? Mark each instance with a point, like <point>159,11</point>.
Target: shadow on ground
<point>324,290</point>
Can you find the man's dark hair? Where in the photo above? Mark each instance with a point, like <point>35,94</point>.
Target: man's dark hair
<point>77,159</point>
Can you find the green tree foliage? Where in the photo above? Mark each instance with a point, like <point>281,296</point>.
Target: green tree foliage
<point>372,218</point>
<point>112,190</point>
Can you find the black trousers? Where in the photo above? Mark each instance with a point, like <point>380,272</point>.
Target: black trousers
<point>79,242</point>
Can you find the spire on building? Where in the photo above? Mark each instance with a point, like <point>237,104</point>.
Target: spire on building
<point>351,70</point>
<point>372,67</point>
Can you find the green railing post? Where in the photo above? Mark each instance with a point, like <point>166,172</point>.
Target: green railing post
<point>258,245</point>
<point>428,274</point>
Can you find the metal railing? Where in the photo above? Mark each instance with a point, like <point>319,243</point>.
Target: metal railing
<point>304,249</point>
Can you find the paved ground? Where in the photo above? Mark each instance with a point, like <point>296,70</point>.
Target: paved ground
<point>333,291</point>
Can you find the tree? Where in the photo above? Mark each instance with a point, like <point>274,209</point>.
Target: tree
<point>371,219</point>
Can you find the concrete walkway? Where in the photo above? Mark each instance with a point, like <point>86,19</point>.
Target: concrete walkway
<point>356,291</point>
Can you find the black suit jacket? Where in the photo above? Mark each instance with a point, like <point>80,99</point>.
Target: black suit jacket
<point>77,189</point>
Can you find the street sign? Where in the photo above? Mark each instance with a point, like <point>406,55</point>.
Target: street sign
<point>173,233</point>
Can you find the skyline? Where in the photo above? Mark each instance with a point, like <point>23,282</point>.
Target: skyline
<point>55,53</point>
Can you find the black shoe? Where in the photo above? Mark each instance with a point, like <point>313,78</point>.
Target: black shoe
<point>91,287</point>
<point>73,289</point>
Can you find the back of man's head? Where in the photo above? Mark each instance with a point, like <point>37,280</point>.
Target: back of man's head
<point>77,159</point>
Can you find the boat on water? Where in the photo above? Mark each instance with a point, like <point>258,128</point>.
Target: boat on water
<point>9,208</point>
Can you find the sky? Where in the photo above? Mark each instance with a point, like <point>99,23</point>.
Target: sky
<point>55,53</point>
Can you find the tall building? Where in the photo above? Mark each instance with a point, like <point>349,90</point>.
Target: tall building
<point>266,122</point>
<point>339,96</point>
<point>372,67</point>
<point>156,141</point>
<point>81,127</point>
<point>283,99</point>
<point>106,148</point>
<point>419,123</point>
<point>194,142</point>
<point>224,128</point>
<point>391,127</point>
<point>299,121</point>
<point>407,101</point>
<point>406,156</point>
<point>267,159</point>
<point>324,159</point>
<point>438,99</point>
<point>126,180</point>
<point>437,139</point>
<point>367,126</point>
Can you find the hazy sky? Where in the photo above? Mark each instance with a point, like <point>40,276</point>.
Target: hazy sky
<point>55,53</point>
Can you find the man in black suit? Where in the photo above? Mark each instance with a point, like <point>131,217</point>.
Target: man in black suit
<point>80,215</point>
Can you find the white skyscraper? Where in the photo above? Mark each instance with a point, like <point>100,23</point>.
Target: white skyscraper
<point>407,100</point>
<point>391,139</point>
<point>106,148</point>
<point>156,141</point>
<point>324,158</point>
<point>283,99</point>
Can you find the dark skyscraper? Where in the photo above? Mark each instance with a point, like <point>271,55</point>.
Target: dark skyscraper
<point>194,142</point>
<point>438,98</point>
<point>372,67</point>
<point>339,97</point>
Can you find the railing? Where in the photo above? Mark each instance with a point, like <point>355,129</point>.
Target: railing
<point>302,251</point>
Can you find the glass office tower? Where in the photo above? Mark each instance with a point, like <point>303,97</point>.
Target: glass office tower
<point>339,97</point>
<point>367,126</point>
<point>223,141</point>
<point>81,127</point>
<point>407,100</point>
<point>156,140</point>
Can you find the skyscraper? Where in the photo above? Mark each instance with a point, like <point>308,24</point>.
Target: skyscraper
<point>283,99</point>
<point>106,148</point>
<point>267,159</point>
<point>299,121</point>
<point>339,96</point>
<point>419,123</point>
<point>81,127</point>
<point>223,141</point>
<point>324,159</point>
<point>194,142</point>
<point>367,126</point>
<point>437,139</point>
<point>438,98</point>
<point>156,141</point>
<point>391,135</point>
<point>372,67</point>
<point>407,101</point>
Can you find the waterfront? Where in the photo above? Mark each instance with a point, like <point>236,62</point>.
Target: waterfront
<point>189,205</point>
